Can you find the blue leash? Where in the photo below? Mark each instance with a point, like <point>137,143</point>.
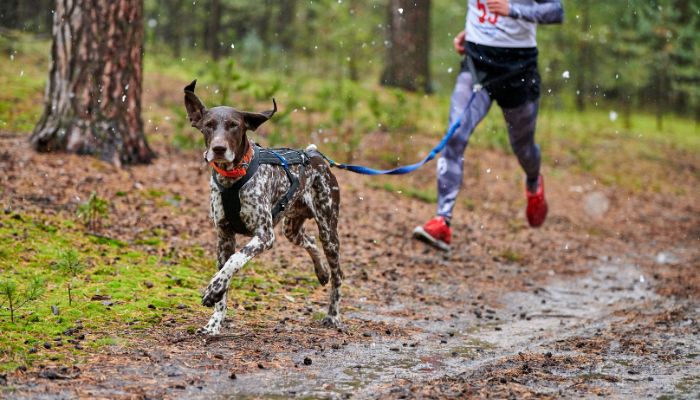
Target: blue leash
<point>405,169</point>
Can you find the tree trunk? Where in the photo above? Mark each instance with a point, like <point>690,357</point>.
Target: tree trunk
<point>286,17</point>
<point>584,58</point>
<point>93,95</point>
<point>213,40</point>
<point>9,14</point>
<point>408,25</point>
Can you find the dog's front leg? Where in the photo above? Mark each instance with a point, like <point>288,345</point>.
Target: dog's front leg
<point>263,240</point>
<point>225,249</point>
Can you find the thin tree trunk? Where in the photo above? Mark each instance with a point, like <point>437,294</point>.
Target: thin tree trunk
<point>213,39</point>
<point>93,95</point>
<point>584,58</point>
<point>408,24</point>
<point>661,99</point>
<point>286,16</point>
<point>9,13</point>
<point>627,110</point>
<point>175,28</point>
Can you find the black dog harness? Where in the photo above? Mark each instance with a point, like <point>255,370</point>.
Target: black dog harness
<point>280,157</point>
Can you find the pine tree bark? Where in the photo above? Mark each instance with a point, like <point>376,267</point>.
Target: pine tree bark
<point>93,95</point>
<point>408,25</point>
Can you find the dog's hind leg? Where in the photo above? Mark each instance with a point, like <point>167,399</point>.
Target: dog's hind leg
<point>294,231</point>
<point>263,240</point>
<point>225,248</point>
<point>326,205</point>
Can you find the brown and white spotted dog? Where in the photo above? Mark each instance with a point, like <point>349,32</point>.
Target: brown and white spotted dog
<point>317,198</point>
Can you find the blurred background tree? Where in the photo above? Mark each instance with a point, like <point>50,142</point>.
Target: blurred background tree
<point>408,45</point>
<point>93,94</point>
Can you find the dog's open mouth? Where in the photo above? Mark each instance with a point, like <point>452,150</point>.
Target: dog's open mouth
<point>225,165</point>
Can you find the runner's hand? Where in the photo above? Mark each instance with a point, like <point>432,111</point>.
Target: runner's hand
<point>499,7</point>
<point>458,42</point>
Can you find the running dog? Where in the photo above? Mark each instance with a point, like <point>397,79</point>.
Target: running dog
<point>252,189</point>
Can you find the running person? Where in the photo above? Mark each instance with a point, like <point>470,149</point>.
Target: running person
<point>501,49</point>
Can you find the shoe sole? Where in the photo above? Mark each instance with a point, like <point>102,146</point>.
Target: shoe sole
<point>420,234</point>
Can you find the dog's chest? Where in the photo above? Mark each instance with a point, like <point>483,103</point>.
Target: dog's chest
<point>267,187</point>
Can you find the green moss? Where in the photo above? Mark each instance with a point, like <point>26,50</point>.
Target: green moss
<point>511,255</point>
<point>113,273</point>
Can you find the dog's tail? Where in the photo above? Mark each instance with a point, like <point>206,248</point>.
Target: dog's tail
<point>312,151</point>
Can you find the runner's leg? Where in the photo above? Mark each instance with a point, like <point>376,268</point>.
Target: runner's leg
<point>450,167</point>
<point>521,123</point>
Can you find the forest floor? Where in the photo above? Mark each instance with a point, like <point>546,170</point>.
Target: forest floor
<point>602,300</point>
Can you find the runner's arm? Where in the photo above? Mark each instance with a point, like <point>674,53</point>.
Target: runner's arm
<point>542,12</point>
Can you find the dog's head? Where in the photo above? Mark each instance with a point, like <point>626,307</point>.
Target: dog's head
<point>224,128</point>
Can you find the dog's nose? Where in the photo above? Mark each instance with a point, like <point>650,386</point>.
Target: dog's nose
<point>219,150</point>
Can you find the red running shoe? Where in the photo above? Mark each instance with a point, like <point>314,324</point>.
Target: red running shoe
<point>436,233</point>
<point>536,205</point>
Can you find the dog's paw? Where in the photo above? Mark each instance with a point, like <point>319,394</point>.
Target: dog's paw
<point>331,322</point>
<point>208,330</point>
<point>215,291</point>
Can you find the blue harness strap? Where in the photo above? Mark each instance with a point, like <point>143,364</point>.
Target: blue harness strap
<point>405,169</point>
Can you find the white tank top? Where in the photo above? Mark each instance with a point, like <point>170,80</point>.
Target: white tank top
<point>489,29</point>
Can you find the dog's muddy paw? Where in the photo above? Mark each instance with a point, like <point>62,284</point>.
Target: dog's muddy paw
<point>214,292</point>
<point>331,322</point>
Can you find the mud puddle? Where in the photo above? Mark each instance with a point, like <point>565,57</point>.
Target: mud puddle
<point>543,320</point>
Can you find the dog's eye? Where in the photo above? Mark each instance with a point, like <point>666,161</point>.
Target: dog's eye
<point>230,125</point>
<point>211,124</point>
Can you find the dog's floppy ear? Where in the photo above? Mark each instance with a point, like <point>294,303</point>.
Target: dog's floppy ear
<point>254,120</point>
<point>194,106</point>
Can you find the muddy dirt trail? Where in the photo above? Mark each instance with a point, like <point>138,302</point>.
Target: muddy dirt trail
<point>596,303</point>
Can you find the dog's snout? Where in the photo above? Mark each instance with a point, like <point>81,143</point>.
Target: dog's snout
<point>219,150</point>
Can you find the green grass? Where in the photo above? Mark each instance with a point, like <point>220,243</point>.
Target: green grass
<point>24,62</point>
<point>114,276</point>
